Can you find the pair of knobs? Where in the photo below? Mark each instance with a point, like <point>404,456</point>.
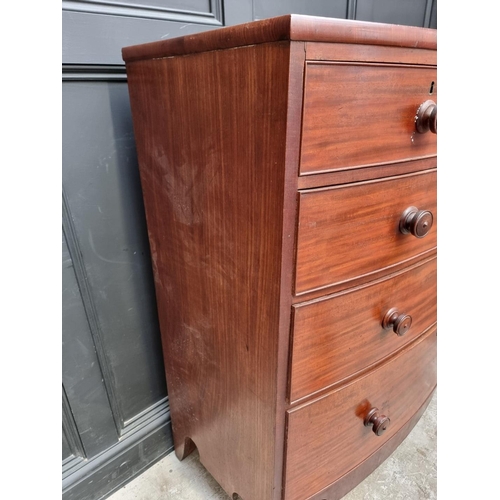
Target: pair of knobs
<point>418,223</point>
<point>400,323</point>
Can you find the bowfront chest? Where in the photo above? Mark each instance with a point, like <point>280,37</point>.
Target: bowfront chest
<point>289,175</point>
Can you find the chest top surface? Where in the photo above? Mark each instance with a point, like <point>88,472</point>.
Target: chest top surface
<point>289,27</point>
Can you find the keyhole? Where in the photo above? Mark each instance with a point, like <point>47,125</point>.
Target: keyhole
<point>431,90</point>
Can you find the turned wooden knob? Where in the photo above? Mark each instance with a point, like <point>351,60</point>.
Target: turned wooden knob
<point>415,221</point>
<point>426,117</point>
<point>399,322</point>
<point>379,422</point>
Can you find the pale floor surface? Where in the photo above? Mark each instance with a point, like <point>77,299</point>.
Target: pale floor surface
<point>408,474</point>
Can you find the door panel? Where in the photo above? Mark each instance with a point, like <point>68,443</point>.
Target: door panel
<point>73,454</point>
<point>103,194</point>
<point>407,12</point>
<point>325,8</point>
<point>81,374</point>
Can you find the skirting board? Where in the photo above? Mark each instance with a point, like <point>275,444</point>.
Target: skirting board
<point>104,474</point>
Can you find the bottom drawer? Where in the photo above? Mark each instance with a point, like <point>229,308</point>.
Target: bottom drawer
<point>328,437</point>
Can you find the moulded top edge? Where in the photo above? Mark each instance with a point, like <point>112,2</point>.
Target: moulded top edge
<point>290,27</point>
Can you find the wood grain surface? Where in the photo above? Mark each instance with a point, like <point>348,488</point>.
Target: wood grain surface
<point>366,173</point>
<point>288,27</point>
<point>351,231</point>
<point>290,213</point>
<point>242,245</point>
<point>211,139</point>
<point>359,114</point>
<point>316,51</point>
<point>338,336</point>
<point>338,489</point>
<point>327,437</point>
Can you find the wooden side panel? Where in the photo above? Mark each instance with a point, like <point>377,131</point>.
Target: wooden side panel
<point>358,114</point>
<point>350,232</point>
<point>337,337</point>
<point>327,438</point>
<point>210,132</point>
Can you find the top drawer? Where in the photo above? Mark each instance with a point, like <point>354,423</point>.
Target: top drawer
<point>360,114</point>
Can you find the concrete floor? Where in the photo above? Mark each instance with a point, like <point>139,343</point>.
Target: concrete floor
<point>408,474</point>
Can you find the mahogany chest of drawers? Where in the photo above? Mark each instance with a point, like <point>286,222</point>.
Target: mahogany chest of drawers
<point>289,175</point>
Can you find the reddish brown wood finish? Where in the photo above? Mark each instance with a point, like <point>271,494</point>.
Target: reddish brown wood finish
<point>290,207</point>
<point>218,136</point>
<point>327,437</point>
<point>348,232</point>
<point>339,336</point>
<point>365,173</point>
<point>288,27</point>
<point>339,488</point>
<point>369,53</point>
<point>363,114</point>
<point>213,175</point>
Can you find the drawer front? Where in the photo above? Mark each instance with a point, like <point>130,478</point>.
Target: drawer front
<point>327,438</point>
<point>364,114</point>
<point>351,232</point>
<point>338,336</point>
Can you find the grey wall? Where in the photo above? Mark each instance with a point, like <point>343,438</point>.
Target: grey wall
<point>115,412</point>
<point>113,385</point>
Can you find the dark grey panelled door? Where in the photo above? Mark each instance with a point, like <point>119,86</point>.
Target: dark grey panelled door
<point>114,398</point>
<point>113,386</point>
